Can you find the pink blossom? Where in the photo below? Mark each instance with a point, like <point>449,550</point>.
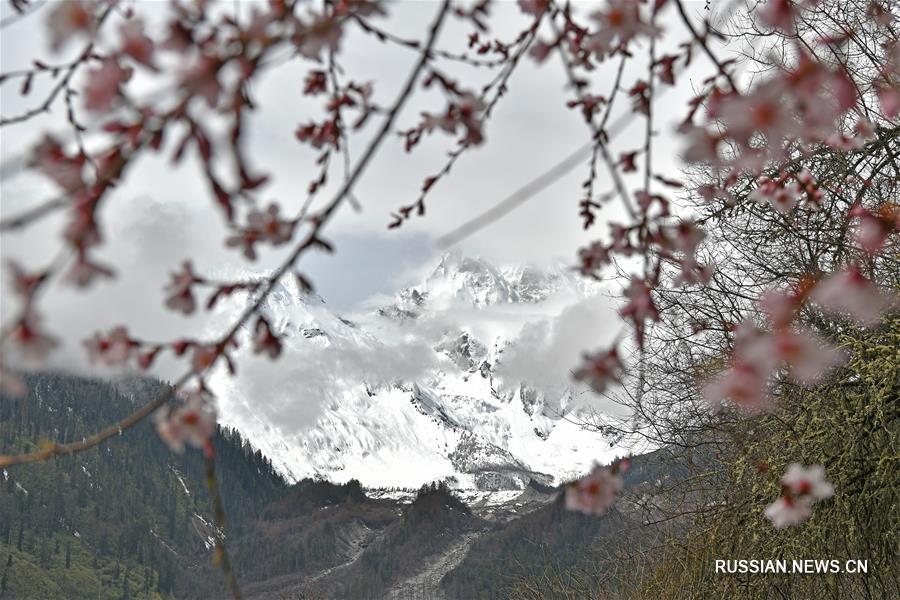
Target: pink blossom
<point>702,146</point>
<point>68,19</point>
<point>746,382</point>
<point>691,272</point>
<point>145,359</point>
<point>33,343</point>
<point>848,292</point>
<point>594,493</point>
<point>765,111</point>
<point>593,258</point>
<point>113,349</point>
<point>103,85</point>
<point>640,306</point>
<point>470,108</point>
<point>328,133</point>
<point>644,200</point>
<point>261,226</point>
<point>259,23</point>
<point>743,384</point>
<point>181,298</point>
<point>712,192</point>
<point>779,306</point>
<point>135,43</point>
<point>787,511</point>
<point>778,14</point>
<point>589,104</point>
<point>50,159</point>
<point>618,23</point>
<point>85,271</point>
<point>805,178</point>
<point>620,241</point>
<point>879,13</point>
<point>270,225</point>
<point>754,346</point>
<point>533,7</point>
<point>685,237</point>
<point>801,487</point>
<point>193,423</point>
<point>323,32</point>
<point>626,161</point>
<point>82,231</point>
<point>810,481</point>
<point>864,132</point>
<point>247,240</point>
<point>889,97</point>
<point>808,184</point>
<point>667,70</point>
<point>600,369</point>
<point>873,229</point>
<point>540,50</point>
<point>821,95</point>
<point>808,356</point>
<point>465,111</point>
<point>316,83</point>
<point>24,283</point>
<point>203,358</point>
<point>783,198</point>
<point>871,234</point>
<point>201,79</point>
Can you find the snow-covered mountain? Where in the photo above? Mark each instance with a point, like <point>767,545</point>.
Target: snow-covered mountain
<point>422,387</point>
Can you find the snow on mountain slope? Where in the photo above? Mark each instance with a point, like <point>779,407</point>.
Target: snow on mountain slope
<point>416,390</point>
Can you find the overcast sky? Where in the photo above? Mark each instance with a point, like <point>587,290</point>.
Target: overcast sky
<point>531,130</point>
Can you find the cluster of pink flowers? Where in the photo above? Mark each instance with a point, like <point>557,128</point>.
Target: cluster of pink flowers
<point>67,20</point>
<point>464,112</point>
<point>115,348</point>
<point>594,493</point>
<point>781,197</point>
<point>802,105</point>
<point>847,293</point>
<point>680,243</point>
<point>639,307</point>
<point>801,487</point>
<point>619,23</point>
<point>54,162</point>
<point>32,342</point>
<point>181,295</point>
<point>758,355</point>
<point>874,228</point>
<point>192,423</point>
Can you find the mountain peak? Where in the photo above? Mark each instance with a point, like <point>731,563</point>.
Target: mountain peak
<point>468,280</point>
<point>416,392</point>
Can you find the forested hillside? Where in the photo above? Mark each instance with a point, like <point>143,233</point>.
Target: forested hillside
<point>850,424</point>
<point>552,551</point>
<point>128,519</point>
